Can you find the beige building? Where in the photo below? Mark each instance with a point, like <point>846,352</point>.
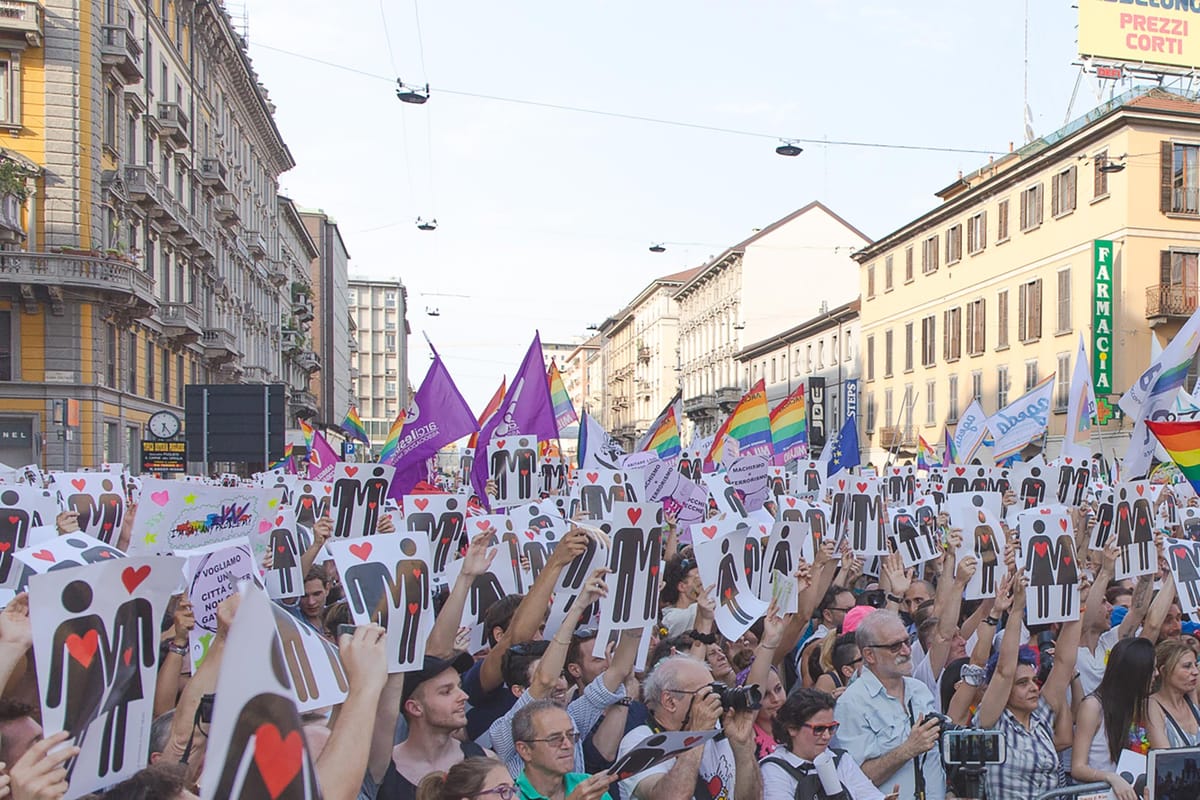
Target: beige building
<point>988,293</point>
<point>585,395</point>
<point>379,366</point>
<point>640,358</point>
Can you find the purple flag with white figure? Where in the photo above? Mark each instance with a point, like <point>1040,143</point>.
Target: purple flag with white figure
<point>437,416</point>
<point>321,458</point>
<point>527,409</point>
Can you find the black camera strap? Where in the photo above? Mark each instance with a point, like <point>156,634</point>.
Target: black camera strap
<point>701,790</point>
<point>918,760</point>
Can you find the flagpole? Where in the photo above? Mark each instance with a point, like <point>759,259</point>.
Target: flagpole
<point>896,447</point>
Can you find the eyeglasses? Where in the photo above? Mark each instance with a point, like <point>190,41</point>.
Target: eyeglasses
<point>583,634</point>
<point>558,739</point>
<point>895,648</point>
<point>822,730</point>
<point>855,661</point>
<point>837,608</point>
<point>505,792</point>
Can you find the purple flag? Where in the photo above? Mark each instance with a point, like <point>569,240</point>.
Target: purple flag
<point>321,458</point>
<point>437,416</point>
<point>527,409</point>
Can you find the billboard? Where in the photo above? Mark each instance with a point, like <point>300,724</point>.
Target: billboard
<point>817,426</point>
<point>1164,33</point>
<point>241,423</point>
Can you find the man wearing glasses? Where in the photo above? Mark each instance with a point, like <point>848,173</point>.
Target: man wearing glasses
<point>881,714</point>
<point>546,739</point>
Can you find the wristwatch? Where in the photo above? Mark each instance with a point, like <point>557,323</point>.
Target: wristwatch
<point>991,621</point>
<point>703,638</point>
<point>177,649</point>
<point>894,599</point>
<point>624,701</point>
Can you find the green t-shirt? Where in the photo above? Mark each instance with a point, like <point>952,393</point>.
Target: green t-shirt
<point>571,779</point>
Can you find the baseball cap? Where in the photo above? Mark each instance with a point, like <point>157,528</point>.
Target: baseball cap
<point>431,668</point>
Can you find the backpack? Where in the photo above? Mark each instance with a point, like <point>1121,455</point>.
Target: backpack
<point>808,783</point>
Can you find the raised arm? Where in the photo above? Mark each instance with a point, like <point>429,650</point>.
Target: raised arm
<point>1139,606</point>
<point>995,698</point>
<point>16,637</point>
<point>344,761</point>
<point>823,568</point>
<point>322,530</point>
<point>203,682</point>
<point>445,627</point>
<point>1093,613</point>
<point>166,690</point>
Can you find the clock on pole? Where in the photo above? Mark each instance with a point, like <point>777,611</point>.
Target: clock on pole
<point>164,425</point>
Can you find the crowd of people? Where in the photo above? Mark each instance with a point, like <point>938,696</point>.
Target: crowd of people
<point>854,692</point>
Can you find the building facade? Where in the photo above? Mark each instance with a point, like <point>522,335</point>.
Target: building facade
<point>327,302</point>
<point>988,293</point>
<point>139,215</point>
<point>379,309</point>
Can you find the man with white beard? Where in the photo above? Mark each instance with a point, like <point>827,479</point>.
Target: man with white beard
<point>887,719</point>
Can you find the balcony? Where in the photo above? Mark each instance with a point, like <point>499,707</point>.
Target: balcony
<point>120,284</point>
<point>256,243</point>
<point>213,175</point>
<point>894,437</point>
<point>142,186</point>
<point>22,19</point>
<point>302,308</point>
<point>728,397</point>
<point>703,406</point>
<point>353,344</point>
<point>181,322</point>
<point>293,341</point>
<point>228,210</point>
<point>167,212</point>
<point>303,403</point>
<point>1166,302</point>
<point>256,375</point>
<point>643,354</point>
<point>173,121</point>
<point>121,52</point>
<point>310,362</point>
<point>220,346</point>
<point>277,273</point>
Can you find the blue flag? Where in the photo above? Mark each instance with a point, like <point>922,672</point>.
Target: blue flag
<point>844,450</point>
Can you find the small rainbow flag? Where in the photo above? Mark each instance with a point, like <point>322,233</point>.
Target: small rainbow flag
<point>393,437</point>
<point>564,412</point>
<point>663,435</point>
<point>749,425</point>
<point>948,454</point>
<point>926,457</point>
<point>1181,440</point>
<point>307,430</point>
<point>492,407</point>
<point>353,426</point>
<point>789,427</point>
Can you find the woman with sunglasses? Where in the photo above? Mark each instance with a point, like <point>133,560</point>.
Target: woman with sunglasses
<point>470,779</point>
<point>803,727</point>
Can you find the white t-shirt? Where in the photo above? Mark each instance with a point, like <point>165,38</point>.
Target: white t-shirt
<point>679,621</point>
<point>778,784</point>
<point>1091,665</point>
<point>716,765</point>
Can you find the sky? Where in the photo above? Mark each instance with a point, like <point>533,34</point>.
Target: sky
<point>545,215</point>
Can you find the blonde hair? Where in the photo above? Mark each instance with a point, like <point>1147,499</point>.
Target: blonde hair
<point>464,779</point>
<point>1167,656</point>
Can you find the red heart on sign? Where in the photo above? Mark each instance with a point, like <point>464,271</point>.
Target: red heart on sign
<point>1181,552</point>
<point>306,502</point>
<point>14,520</point>
<point>412,607</point>
<point>5,546</point>
<point>501,443</point>
<point>281,548</point>
<point>841,484</point>
<point>984,538</point>
<point>960,470</point>
<point>361,551</point>
<point>791,501</point>
<point>127,656</point>
<point>420,502</point>
<point>328,488</point>
<point>83,648</point>
<point>132,578</point>
<point>1041,548</point>
<point>44,555</point>
<point>1062,523</point>
<point>593,477</point>
<point>1066,559</point>
<point>1141,489</point>
<point>529,535</point>
<point>691,740</point>
<point>1044,511</point>
<point>351,471</point>
<point>278,759</point>
<point>634,515</point>
<point>482,524</point>
<point>729,592</point>
<point>654,569</point>
<point>709,530</point>
<point>1067,460</point>
<point>78,483</point>
<point>862,487</point>
<point>1124,513</point>
<point>372,504</point>
<point>416,573</point>
<point>279,521</point>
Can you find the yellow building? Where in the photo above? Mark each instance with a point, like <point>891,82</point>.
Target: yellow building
<point>989,292</point>
<point>140,221</point>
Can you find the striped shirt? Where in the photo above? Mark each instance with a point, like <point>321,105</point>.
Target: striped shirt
<point>1031,765</point>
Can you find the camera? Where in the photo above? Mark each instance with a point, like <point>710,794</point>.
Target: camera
<point>738,698</point>
<point>972,747</point>
<point>204,709</point>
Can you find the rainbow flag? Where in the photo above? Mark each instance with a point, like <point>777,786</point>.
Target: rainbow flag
<point>663,435</point>
<point>393,437</point>
<point>354,427</point>
<point>789,427</point>
<point>492,407</point>
<point>948,454</point>
<point>1181,440</point>
<point>926,457</point>
<point>564,412</point>
<point>307,430</point>
<point>749,425</point>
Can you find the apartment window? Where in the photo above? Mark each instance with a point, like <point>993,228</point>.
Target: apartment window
<point>390,388</point>
<point>773,378</point>
<point>928,337</point>
<point>908,347</point>
<point>133,436</point>
<point>887,354</point>
<point>178,28</point>
<point>150,368</point>
<point>930,402</point>
<point>1002,320</point>
<point>389,297</point>
<point>1002,222</point>
<point>1029,311</point>
<point>1031,208</point>
<point>908,406</point>
<point>954,244</point>
<point>131,140</point>
<point>977,233</point>
<point>952,334</point>
<point>975,327</point>
<point>887,407</point>
<point>908,264</point>
<point>166,375</point>
<point>1099,176</point>
<point>179,381</point>
<point>1064,301</point>
<point>110,119</point>
<point>808,362</point>
<point>870,358</point>
<point>149,66</point>
<point>887,274</point>
<point>1180,178</point>
<point>977,385</point>
<point>870,281</point>
<point>929,255</point>
<point>952,409</point>
<point>870,413</point>
<point>1062,192</point>
<point>131,357</point>
<point>797,364</point>
<point>6,345</point>
<point>352,297</point>
<point>110,353</point>
<point>820,356</point>
<point>1031,374</point>
<point>1062,382</point>
<point>112,442</point>
<point>1001,386</point>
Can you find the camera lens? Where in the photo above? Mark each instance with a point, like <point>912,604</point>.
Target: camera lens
<point>738,698</point>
